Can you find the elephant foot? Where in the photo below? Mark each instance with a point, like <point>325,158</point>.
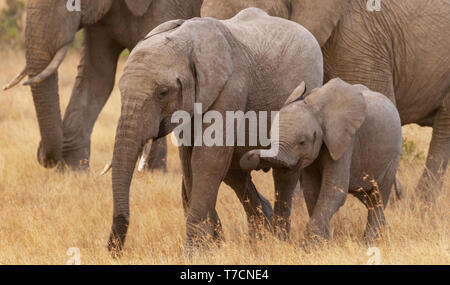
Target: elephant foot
<point>313,242</point>
<point>281,228</point>
<point>317,233</point>
<point>370,236</point>
<point>118,234</point>
<point>376,225</point>
<point>48,159</point>
<point>218,235</point>
<point>203,235</point>
<point>428,188</point>
<point>261,221</point>
<point>76,159</point>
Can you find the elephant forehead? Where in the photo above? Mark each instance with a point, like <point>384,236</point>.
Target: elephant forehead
<point>295,114</point>
<point>153,59</point>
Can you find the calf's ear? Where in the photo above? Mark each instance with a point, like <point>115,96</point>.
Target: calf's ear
<point>297,94</point>
<point>341,110</point>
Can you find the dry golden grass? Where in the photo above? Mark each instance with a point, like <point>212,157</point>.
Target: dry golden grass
<point>43,213</point>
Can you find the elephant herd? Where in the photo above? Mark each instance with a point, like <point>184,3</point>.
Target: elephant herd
<point>344,80</point>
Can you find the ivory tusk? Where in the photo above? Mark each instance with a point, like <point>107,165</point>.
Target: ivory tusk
<point>51,68</point>
<point>145,155</point>
<point>106,169</point>
<point>16,79</point>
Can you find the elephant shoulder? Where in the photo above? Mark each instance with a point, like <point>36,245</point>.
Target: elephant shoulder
<point>249,14</point>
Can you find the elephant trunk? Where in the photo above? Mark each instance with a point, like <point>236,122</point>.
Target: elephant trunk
<point>127,147</point>
<point>45,51</point>
<point>256,159</point>
<point>45,95</point>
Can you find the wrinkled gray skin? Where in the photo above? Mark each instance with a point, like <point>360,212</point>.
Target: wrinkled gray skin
<point>250,62</point>
<point>110,27</point>
<point>400,51</point>
<point>345,139</point>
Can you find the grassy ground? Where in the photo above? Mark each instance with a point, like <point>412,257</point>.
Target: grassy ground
<point>43,213</point>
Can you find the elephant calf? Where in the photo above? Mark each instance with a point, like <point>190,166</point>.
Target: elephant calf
<point>346,139</point>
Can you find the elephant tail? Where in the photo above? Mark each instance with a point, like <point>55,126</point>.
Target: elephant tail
<point>398,188</point>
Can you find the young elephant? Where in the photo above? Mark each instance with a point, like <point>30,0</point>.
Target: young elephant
<point>251,62</point>
<point>346,139</point>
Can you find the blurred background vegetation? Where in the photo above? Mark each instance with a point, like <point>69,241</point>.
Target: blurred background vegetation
<point>12,25</point>
<point>12,22</point>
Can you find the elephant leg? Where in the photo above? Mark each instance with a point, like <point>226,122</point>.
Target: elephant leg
<point>372,199</point>
<point>94,83</point>
<point>311,180</point>
<point>158,155</point>
<point>256,206</point>
<point>285,182</point>
<point>185,153</point>
<point>215,220</point>
<point>432,178</point>
<point>185,198</point>
<point>333,193</point>
<point>207,174</point>
<point>375,221</point>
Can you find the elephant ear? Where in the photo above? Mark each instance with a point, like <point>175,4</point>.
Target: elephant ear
<point>165,27</point>
<point>212,62</point>
<point>297,95</point>
<point>341,109</point>
<point>138,7</point>
<point>320,17</point>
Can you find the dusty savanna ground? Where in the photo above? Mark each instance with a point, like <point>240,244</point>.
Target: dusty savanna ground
<point>43,213</point>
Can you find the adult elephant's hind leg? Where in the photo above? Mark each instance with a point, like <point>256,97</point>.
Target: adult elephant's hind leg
<point>158,155</point>
<point>257,208</point>
<point>438,155</point>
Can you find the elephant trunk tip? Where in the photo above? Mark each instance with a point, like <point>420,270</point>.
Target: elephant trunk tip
<point>118,235</point>
<point>250,161</point>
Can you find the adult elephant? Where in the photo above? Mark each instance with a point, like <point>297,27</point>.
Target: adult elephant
<point>110,27</point>
<point>400,51</point>
<point>249,63</point>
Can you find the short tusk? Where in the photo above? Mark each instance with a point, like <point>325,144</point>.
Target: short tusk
<point>51,68</point>
<point>106,169</point>
<point>16,79</point>
<point>145,155</point>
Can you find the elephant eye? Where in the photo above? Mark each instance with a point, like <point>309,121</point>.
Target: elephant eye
<point>302,143</point>
<point>163,92</point>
